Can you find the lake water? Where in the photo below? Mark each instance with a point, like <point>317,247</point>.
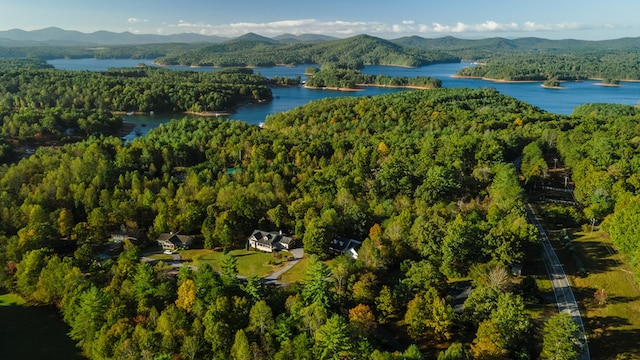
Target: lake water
<point>561,101</point>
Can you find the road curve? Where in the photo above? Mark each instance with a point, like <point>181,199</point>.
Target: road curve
<point>561,287</point>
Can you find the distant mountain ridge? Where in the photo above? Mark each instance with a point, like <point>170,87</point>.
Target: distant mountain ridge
<point>57,36</point>
<point>54,36</point>
<point>499,44</point>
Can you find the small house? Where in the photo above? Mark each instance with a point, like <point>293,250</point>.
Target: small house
<point>342,245</point>
<point>126,234</point>
<point>174,241</point>
<point>270,241</point>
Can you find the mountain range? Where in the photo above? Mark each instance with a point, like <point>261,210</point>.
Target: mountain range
<point>60,37</point>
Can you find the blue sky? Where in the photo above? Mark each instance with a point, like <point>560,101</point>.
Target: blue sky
<point>557,19</point>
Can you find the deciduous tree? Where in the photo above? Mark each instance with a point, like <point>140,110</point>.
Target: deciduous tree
<point>186,295</point>
<point>362,319</point>
<point>260,318</point>
<point>560,338</point>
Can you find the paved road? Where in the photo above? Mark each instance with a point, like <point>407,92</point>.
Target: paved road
<point>561,287</point>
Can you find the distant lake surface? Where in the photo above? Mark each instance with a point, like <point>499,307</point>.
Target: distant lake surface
<point>560,101</point>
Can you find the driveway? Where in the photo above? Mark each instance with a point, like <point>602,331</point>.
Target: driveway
<point>273,277</point>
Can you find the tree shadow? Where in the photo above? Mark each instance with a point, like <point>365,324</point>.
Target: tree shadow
<point>31,332</point>
<point>607,339</point>
<point>597,256</point>
<point>586,296</point>
<point>246,254</point>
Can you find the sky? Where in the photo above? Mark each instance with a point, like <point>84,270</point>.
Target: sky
<point>390,19</point>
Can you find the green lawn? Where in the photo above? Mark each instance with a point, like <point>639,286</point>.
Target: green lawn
<point>32,332</point>
<point>249,262</point>
<point>613,327</point>
<point>162,257</point>
<point>296,273</point>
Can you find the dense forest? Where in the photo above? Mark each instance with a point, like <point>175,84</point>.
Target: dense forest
<point>527,67</point>
<point>425,178</point>
<point>258,51</point>
<point>430,181</point>
<point>37,101</point>
<point>602,151</point>
<point>337,76</point>
<point>502,59</point>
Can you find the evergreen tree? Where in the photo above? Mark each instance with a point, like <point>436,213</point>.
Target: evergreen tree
<point>240,349</point>
<point>317,289</point>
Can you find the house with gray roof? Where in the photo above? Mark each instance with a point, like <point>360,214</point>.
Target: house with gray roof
<point>340,245</point>
<point>271,241</point>
<point>174,241</point>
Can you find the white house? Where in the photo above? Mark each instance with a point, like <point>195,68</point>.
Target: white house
<point>270,241</point>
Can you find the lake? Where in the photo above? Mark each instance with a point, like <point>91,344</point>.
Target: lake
<point>560,101</point>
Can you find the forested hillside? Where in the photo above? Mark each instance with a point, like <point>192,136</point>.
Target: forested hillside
<point>603,154</point>
<point>332,75</point>
<point>502,59</point>
<point>497,46</point>
<point>354,51</point>
<point>430,181</point>
<point>37,101</point>
<point>570,67</point>
<point>425,178</point>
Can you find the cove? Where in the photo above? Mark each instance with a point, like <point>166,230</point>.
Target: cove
<point>552,100</point>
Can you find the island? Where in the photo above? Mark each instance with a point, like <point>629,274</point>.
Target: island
<point>342,78</point>
<point>552,84</point>
<point>608,82</point>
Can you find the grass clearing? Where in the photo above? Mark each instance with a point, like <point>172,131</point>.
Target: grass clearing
<point>161,257</point>
<point>613,327</point>
<point>33,332</point>
<point>296,273</point>
<point>250,263</point>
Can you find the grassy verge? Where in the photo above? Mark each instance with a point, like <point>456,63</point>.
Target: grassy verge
<point>162,257</point>
<point>31,332</point>
<point>296,273</point>
<point>613,326</point>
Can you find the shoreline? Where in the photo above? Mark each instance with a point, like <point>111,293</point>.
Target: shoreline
<point>209,113</point>
<point>456,76</point>
<point>360,86</point>
<point>125,129</point>
<point>553,87</point>
<point>332,88</point>
<point>414,87</point>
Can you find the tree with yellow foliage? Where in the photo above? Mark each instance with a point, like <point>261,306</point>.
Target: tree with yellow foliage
<point>186,295</point>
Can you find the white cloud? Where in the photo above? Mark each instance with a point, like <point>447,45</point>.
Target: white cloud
<point>342,28</point>
<point>133,20</point>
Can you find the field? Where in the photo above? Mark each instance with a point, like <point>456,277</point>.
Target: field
<point>249,262</point>
<point>613,326</point>
<point>30,332</point>
<point>296,273</point>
